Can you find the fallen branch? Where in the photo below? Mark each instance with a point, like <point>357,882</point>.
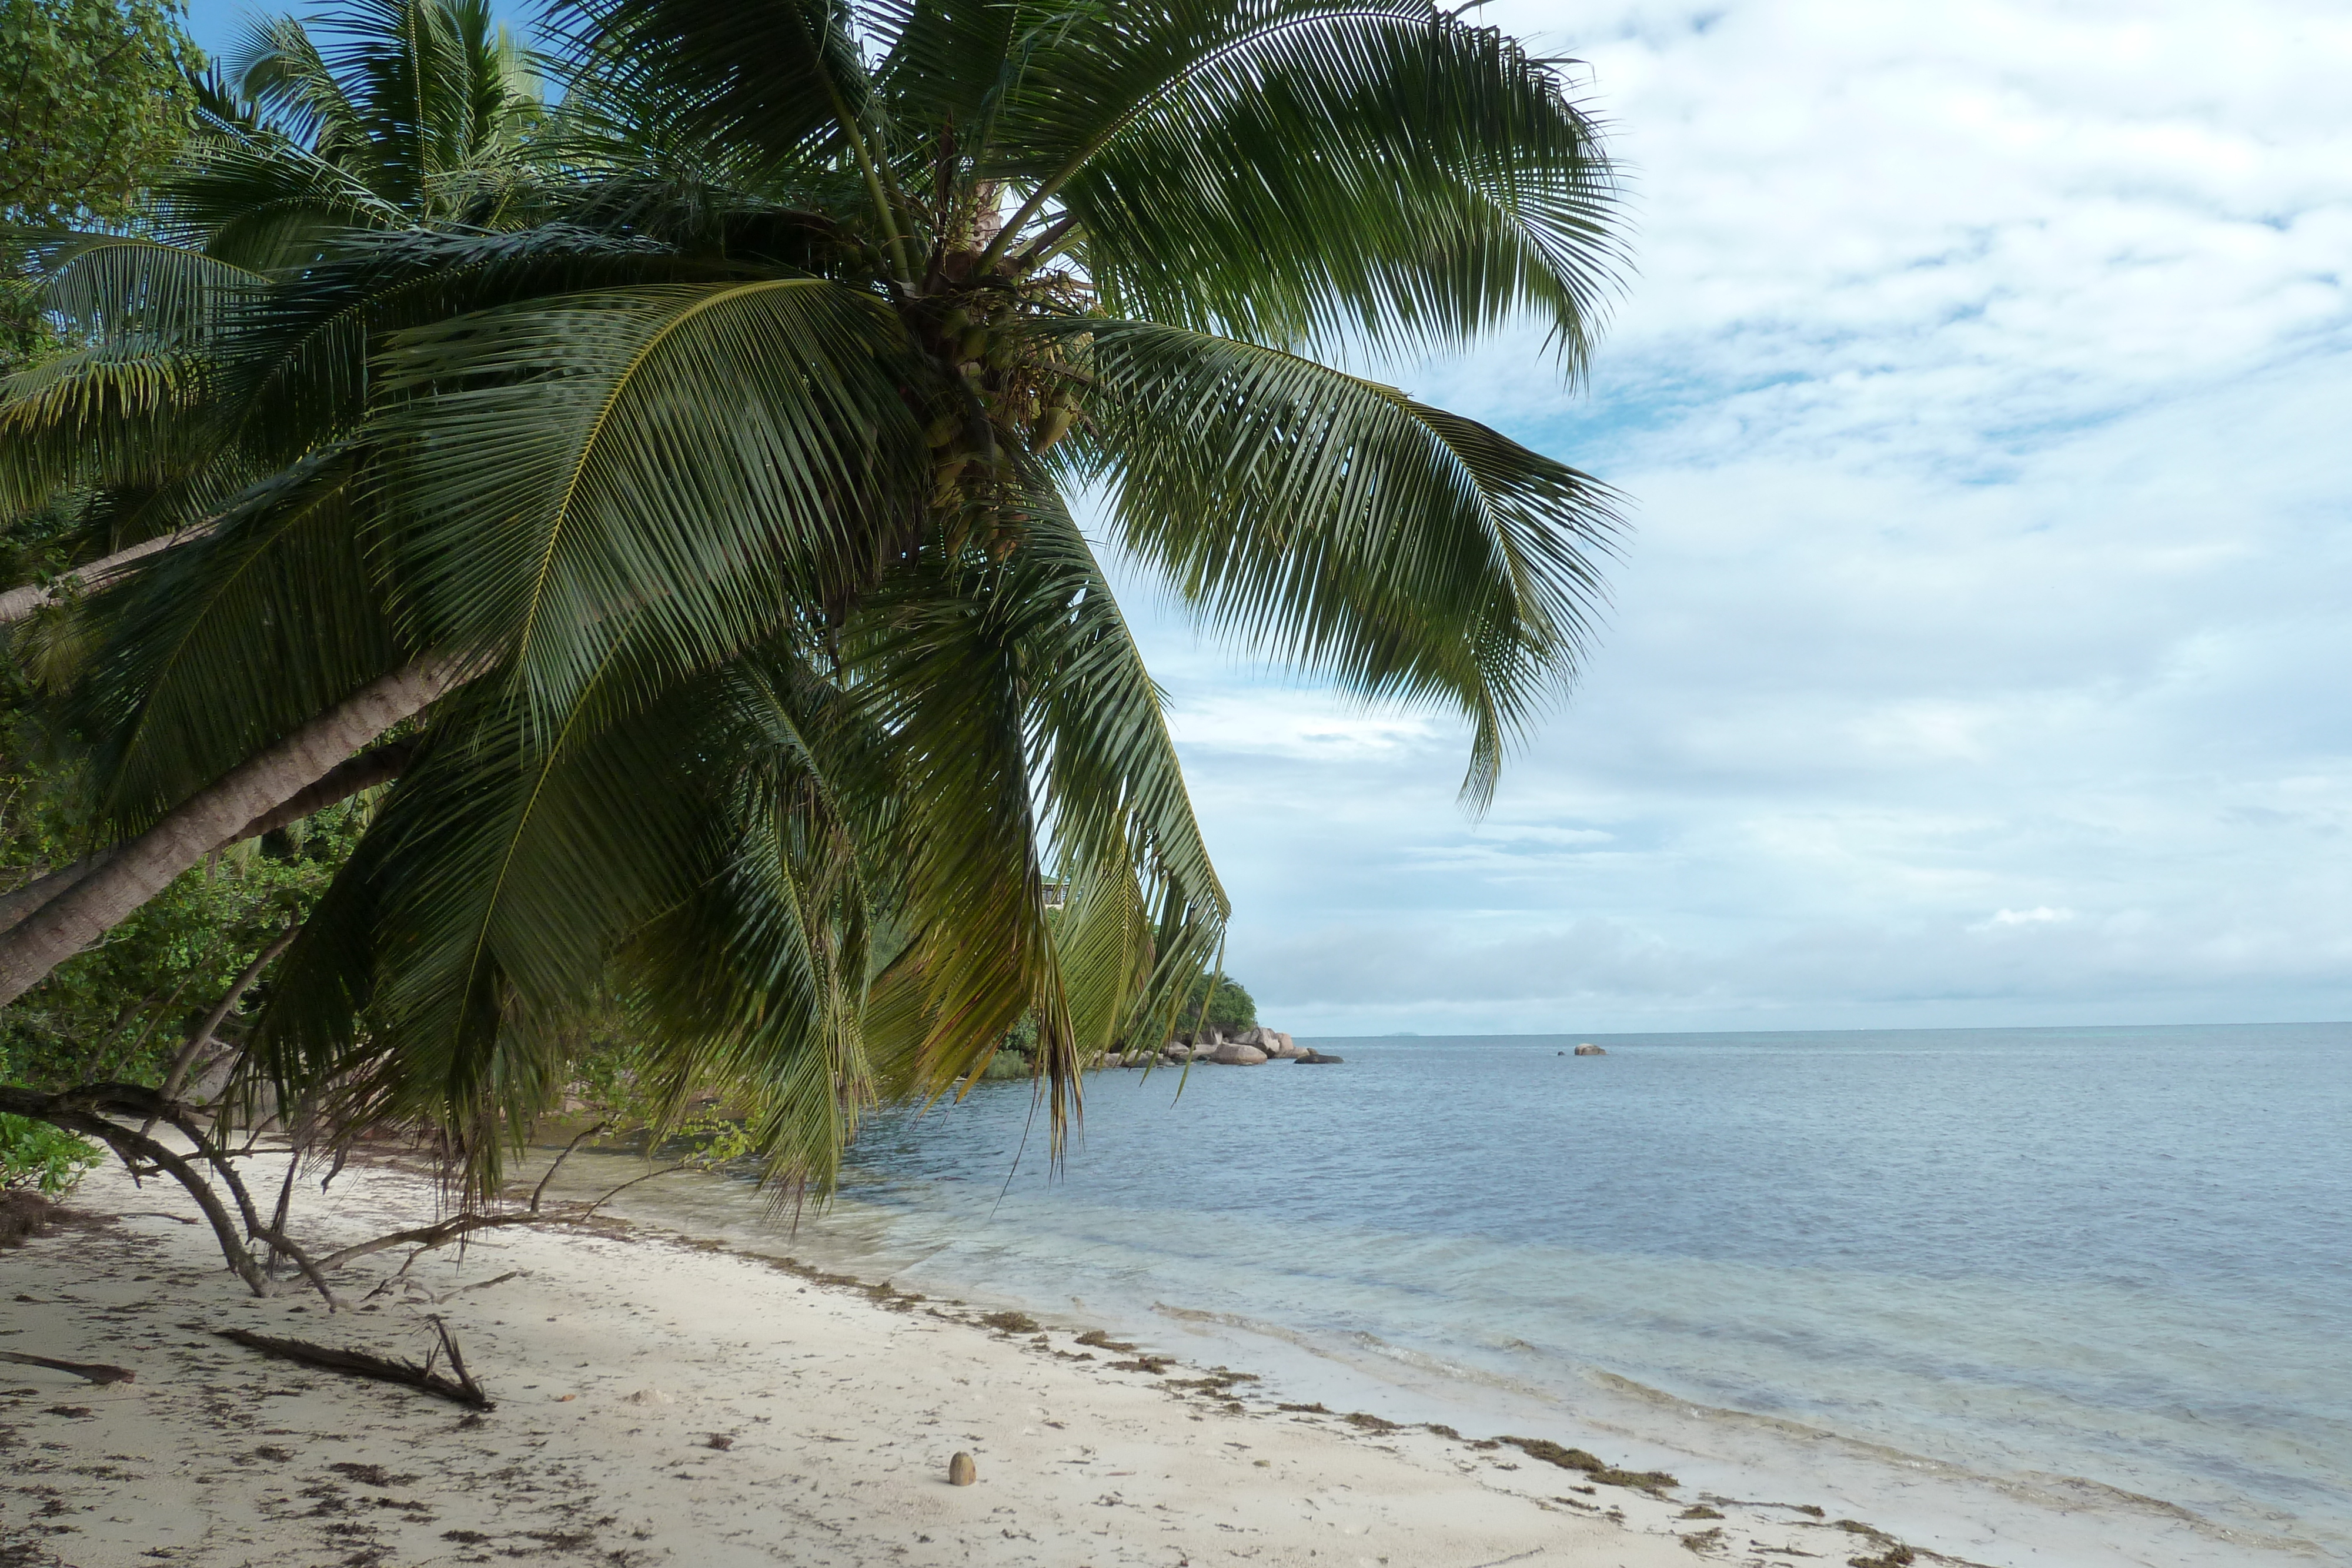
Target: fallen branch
<point>428,1237</point>
<point>541,1190</point>
<point>96,1372</point>
<point>462,1389</point>
<point>590,1211</point>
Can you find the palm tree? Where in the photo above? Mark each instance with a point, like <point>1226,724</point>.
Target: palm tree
<point>708,494</point>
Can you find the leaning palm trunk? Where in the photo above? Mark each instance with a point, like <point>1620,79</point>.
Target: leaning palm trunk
<point>135,871</point>
<point>370,770</point>
<point>20,602</point>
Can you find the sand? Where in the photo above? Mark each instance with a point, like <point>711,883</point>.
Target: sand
<point>664,1401</point>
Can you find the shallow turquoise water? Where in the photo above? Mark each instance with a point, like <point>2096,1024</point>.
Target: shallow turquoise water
<point>2121,1255</point>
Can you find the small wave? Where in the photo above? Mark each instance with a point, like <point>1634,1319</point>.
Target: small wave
<point>2065,1493</point>
<point>2042,1490</point>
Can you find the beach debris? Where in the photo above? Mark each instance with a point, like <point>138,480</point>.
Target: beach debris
<point>1891,1554</point>
<point>96,1372</point>
<point>721,1441</point>
<point>460,1389</point>
<point>1012,1322</point>
<point>1700,1510</point>
<point>650,1396</point>
<point>1101,1340</point>
<point>962,1472</point>
<point>1599,1469</point>
<point>374,1476</point>
<point>1703,1540</point>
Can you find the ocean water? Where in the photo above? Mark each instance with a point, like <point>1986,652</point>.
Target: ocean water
<point>2013,1289</point>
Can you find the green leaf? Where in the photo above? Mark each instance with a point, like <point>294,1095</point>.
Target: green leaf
<point>1342,526</point>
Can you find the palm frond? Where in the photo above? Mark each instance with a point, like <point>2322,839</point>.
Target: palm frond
<point>560,466</point>
<point>1406,552</point>
<point>1324,171</point>
<point>783,77</point>
<point>213,648</point>
<point>132,293</point>
<point>294,358</point>
<point>1033,745</point>
<point>97,418</point>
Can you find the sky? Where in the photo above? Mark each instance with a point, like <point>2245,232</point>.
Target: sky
<point>1980,387</point>
<point>1976,657</point>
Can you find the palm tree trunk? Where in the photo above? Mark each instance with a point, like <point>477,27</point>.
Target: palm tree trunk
<point>250,792</point>
<point>369,768</point>
<point>16,604</point>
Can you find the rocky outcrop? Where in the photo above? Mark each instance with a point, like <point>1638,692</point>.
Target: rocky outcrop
<point>1588,1048</point>
<point>1248,1048</point>
<point>1319,1058</point>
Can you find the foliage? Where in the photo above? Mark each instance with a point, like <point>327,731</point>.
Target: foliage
<point>615,1082</point>
<point>719,422</point>
<point>35,1155</point>
<point>94,98</point>
<point>121,1011</point>
<point>94,101</point>
<point>1229,1008</point>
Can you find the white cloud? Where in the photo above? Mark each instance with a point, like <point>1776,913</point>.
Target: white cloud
<point>1981,396</point>
<point>2040,915</point>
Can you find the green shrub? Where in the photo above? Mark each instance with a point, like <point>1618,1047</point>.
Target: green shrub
<point>1231,1009</point>
<point>35,1155</point>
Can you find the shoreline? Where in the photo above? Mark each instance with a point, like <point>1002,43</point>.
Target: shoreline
<point>1942,1509</point>
<point>661,1395</point>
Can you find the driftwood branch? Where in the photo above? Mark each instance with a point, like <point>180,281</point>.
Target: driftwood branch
<point>577,1139</point>
<point>84,1111</point>
<point>665,1170</point>
<point>177,1078</point>
<point>96,1372</point>
<point>461,1389</point>
<point>424,1238</point>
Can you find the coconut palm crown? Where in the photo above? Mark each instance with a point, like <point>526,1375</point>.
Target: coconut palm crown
<point>702,452</point>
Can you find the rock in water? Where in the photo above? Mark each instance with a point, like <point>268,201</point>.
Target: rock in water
<point>1234,1054</point>
<point>962,1472</point>
<point>1314,1057</point>
<point>1588,1048</point>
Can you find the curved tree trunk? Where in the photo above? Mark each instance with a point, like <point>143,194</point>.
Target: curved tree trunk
<point>251,792</point>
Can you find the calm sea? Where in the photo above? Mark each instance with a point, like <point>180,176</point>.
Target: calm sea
<point>2102,1275</point>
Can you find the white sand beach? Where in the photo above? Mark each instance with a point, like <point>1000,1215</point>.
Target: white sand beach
<point>664,1401</point>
